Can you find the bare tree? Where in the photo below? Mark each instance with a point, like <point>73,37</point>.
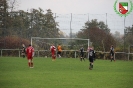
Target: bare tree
<point>12,4</point>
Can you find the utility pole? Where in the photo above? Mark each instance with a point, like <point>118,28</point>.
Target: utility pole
<point>88,29</point>
<point>106,19</point>
<point>124,37</point>
<point>70,26</point>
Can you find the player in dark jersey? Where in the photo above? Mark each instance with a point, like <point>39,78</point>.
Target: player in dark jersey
<point>23,51</point>
<point>112,53</point>
<point>82,53</point>
<point>91,57</point>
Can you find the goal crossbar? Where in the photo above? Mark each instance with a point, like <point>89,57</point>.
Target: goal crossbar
<point>59,38</point>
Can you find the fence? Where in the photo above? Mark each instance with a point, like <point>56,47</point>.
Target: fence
<point>67,54</point>
<point>71,23</point>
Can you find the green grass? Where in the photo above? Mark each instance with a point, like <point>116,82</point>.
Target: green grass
<point>64,73</point>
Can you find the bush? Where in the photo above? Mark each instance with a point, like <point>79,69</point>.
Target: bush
<point>12,42</point>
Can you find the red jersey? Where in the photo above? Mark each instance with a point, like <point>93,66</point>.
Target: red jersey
<point>53,49</point>
<point>30,52</point>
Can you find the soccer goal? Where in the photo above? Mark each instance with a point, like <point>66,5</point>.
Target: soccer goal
<point>70,46</point>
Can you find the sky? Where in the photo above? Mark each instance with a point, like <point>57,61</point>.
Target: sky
<point>70,6</point>
<point>72,14</point>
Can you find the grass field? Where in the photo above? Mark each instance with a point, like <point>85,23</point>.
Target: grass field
<point>64,73</point>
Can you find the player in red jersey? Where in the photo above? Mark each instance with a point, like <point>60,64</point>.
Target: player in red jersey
<point>30,54</point>
<point>53,52</point>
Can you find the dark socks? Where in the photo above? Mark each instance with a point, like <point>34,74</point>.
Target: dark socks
<point>91,66</point>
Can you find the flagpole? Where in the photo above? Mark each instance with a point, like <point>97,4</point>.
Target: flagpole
<point>88,29</point>
<point>106,19</point>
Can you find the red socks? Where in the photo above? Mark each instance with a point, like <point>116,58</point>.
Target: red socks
<point>30,64</point>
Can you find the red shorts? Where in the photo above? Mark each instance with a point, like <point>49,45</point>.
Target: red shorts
<point>29,57</point>
<point>53,53</point>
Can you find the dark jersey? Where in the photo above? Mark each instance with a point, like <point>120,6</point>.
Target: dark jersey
<point>91,53</point>
<point>112,51</point>
<point>23,50</point>
<point>81,50</point>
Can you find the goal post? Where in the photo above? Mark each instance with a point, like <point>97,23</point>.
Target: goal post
<point>130,52</point>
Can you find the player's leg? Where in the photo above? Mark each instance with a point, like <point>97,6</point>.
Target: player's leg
<point>59,54</point>
<point>90,63</point>
<point>83,56</point>
<point>31,62</point>
<point>54,56</point>
<point>80,58</point>
<point>111,57</point>
<point>23,56</point>
<point>90,67</point>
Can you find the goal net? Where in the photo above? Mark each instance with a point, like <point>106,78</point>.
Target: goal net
<point>70,46</point>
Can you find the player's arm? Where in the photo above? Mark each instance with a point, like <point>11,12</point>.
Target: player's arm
<point>110,50</point>
<point>50,48</point>
<point>54,48</point>
<point>33,54</point>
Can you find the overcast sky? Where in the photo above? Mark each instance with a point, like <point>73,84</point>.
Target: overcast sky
<point>70,6</point>
<point>83,10</point>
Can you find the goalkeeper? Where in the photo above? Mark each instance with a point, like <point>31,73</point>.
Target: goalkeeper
<point>59,48</point>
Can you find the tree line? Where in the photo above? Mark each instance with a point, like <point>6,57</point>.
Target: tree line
<point>36,23</point>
